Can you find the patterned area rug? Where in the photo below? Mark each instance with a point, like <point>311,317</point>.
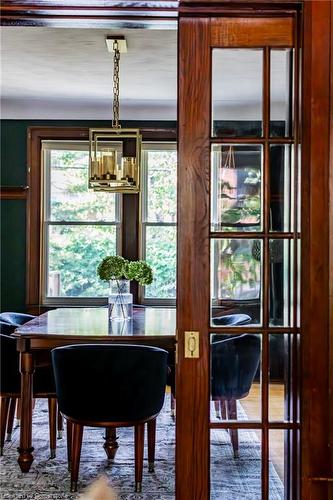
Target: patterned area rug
<point>49,479</point>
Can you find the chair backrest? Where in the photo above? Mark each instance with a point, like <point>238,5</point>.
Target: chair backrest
<point>234,364</point>
<point>7,328</point>
<point>15,318</point>
<point>10,381</point>
<point>229,320</point>
<point>110,383</point>
<point>232,320</point>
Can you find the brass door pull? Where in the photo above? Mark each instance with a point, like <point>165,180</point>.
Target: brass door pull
<point>191,345</point>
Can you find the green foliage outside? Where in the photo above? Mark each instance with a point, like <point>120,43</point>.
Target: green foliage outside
<point>161,256</point>
<point>161,244</point>
<point>76,250</point>
<point>239,270</point>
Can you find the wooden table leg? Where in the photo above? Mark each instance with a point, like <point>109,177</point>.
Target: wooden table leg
<point>111,445</point>
<point>25,450</point>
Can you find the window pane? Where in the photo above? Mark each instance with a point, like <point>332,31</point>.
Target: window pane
<point>278,459</point>
<point>161,255</point>
<point>281,282</point>
<point>161,186</point>
<point>281,188</point>
<point>236,188</point>
<point>231,476</point>
<point>74,253</point>
<point>236,278</point>
<point>70,199</point>
<point>235,376</point>
<point>281,92</point>
<point>237,92</point>
<point>280,380</point>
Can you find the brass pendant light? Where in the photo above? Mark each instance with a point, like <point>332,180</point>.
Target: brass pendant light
<point>115,153</point>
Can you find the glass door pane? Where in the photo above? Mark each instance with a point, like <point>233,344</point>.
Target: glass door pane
<point>237,93</point>
<point>253,269</point>
<point>236,187</point>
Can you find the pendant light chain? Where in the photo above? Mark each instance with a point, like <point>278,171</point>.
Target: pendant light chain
<point>116,59</point>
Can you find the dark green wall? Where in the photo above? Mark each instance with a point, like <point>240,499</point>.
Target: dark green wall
<point>13,212</point>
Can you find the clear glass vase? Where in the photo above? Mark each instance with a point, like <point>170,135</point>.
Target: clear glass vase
<point>120,301</point>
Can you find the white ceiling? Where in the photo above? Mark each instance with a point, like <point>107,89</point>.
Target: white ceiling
<point>67,73</point>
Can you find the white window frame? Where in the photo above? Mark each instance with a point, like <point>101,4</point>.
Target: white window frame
<point>150,146</point>
<point>47,146</point>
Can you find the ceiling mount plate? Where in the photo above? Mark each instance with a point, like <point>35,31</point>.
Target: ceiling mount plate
<point>122,44</point>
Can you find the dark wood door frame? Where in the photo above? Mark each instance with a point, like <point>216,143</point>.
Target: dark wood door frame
<point>317,251</point>
<point>317,167</point>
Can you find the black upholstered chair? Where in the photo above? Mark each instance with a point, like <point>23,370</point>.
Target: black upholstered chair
<point>10,387</point>
<point>16,319</point>
<point>110,386</point>
<point>6,328</point>
<point>226,320</point>
<point>232,320</point>
<point>8,407</point>
<point>234,364</point>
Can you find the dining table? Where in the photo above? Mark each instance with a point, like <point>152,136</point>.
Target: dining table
<point>152,326</point>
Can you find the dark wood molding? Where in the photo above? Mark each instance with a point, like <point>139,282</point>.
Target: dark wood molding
<point>142,13</point>
<point>226,8</point>
<point>13,192</point>
<point>330,363</point>
<point>193,290</point>
<point>316,154</point>
<point>253,32</point>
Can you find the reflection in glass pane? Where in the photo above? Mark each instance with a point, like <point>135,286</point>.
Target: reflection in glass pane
<point>281,92</point>
<point>299,189</point>
<point>161,186</point>
<point>281,282</point>
<point>70,199</point>
<point>237,92</point>
<point>235,377</point>
<point>236,188</point>
<point>74,254</point>
<point>298,291</point>
<point>280,347</point>
<point>281,188</point>
<point>161,249</point>
<point>235,478</point>
<point>236,278</point>
<point>278,458</point>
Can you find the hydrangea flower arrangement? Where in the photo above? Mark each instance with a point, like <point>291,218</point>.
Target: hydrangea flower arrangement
<point>115,267</point>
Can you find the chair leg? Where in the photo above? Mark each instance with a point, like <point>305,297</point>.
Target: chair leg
<point>18,411</point>
<point>10,420</point>
<point>217,408</point>
<point>76,454</point>
<point>111,444</point>
<point>151,426</point>
<point>223,409</point>
<point>172,405</point>
<point>53,426</point>
<point>232,415</point>
<point>60,425</point>
<point>3,421</point>
<point>139,433</point>
<point>69,443</point>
